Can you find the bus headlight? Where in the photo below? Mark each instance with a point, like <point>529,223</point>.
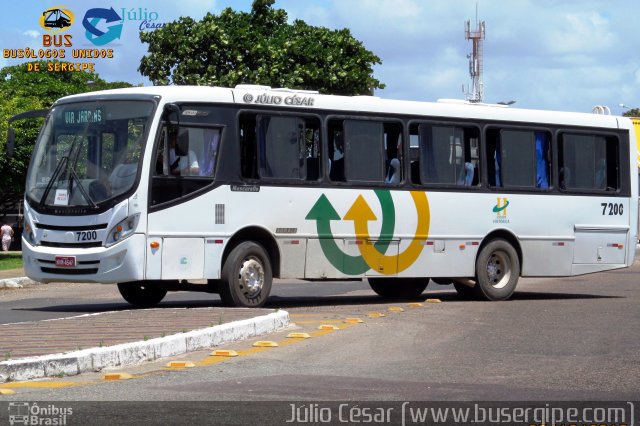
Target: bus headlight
<point>27,232</point>
<point>122,230</point>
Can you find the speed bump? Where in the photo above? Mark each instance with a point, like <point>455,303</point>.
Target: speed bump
<point>7,392</point>
<point>396,309</point>
<point>328,327</point>
<point>181,364</point>
<point>117,376</point>
<point>415,305</point>
<point>265,344</point>
<point>375,314</point>
<point>434,300</point>
<point>298,335</point>
<point>353,320</point>
<point>224,352</point>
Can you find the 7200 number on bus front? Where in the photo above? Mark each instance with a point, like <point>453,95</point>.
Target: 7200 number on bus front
<point>615,209</point>
<point>86,235</point>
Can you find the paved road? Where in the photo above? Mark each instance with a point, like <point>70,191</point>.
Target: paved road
<point>558,339</point>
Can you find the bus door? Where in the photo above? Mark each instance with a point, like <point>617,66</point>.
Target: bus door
<point>184,159</point>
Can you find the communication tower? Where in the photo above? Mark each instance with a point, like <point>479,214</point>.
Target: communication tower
<point>475,93</point>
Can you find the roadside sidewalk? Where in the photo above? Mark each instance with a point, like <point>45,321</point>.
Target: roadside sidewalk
<point>70,346</point>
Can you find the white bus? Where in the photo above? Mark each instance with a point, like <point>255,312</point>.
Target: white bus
<point>218,189</point>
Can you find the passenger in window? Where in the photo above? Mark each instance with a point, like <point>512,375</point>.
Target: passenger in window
<point>182,160</point>
<point>394,171</point>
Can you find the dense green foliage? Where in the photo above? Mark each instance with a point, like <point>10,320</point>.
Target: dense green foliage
<point>633,112</point>
<point>21,90</point>
<point>259,47</point>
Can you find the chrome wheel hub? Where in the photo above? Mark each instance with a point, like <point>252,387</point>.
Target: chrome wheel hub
<point>251,277</point>
<point>498,270</point>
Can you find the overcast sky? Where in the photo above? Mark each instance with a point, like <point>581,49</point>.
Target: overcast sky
<point>565,54</point>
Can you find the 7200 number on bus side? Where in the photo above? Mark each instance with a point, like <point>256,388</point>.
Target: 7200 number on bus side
<point>86,235</point>
<point>615,209</point>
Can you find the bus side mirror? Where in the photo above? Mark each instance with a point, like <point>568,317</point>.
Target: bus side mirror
<point>11,142</point>
<point>171,114</point>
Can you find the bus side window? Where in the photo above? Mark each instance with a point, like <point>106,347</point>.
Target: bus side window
<point>248,147</point>
<point>589,162</point>
<point>447,154</point>
<point>363,150</point>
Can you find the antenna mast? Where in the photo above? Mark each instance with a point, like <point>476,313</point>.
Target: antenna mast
<point>476,92</point>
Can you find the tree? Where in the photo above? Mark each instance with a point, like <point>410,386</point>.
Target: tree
<point>259,47</point>
<point>20,91</point>
<point>633,112</point>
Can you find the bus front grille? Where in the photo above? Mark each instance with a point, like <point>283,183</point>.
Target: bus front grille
<point>64,271</point>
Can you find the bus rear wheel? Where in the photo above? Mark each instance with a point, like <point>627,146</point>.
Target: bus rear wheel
<point>246,276</point>
<point>399,288</point>
<point>143,294</point>
<point>497,271</point>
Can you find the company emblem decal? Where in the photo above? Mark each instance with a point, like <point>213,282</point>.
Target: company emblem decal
<point>372,254</point>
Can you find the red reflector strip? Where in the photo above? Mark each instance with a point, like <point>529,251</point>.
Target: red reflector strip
<point>218,241</point>
<point>615,245</point>
<point>358,242</point>
<point>429,243</point>
<point>475,243</point>
<point>294,242</point>
<point>558,244</point>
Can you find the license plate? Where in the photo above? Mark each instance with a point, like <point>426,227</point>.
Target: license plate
<point>65,261</point>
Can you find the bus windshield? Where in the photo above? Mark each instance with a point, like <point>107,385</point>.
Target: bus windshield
<point>88,153</point>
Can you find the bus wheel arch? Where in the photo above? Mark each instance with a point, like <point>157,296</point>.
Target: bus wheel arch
<point>260,236</point>
<point>498,266</point>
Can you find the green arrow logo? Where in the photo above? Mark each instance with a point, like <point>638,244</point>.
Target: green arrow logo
<point>323,213</point>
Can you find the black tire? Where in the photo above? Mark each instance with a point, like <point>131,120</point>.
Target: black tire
<point>399,288</point>
<point>497,271</point>
<point>143,294</point>
<point>246,276</point>
<point>464,291</point>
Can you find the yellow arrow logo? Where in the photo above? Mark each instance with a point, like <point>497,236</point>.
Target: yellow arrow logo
<point>360,213</point>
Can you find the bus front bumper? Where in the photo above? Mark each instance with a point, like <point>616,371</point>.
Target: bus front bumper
<point>121,262</point>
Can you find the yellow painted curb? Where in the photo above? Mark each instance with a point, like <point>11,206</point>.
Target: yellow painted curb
<point>433,300</point>
<point>183,364</point>
<point>117,376</point>
<point>353,320</point>
<point>396,309</point>
<point>265,344</point>
<point>298,335</point>
<point>415,305</point>
<point>224,352</point>
<point>7,392</point>
<point>328,327</point>
<point>376,314</point>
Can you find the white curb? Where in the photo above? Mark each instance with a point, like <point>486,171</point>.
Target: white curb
<point>95,359</point>
<point>18,282</point>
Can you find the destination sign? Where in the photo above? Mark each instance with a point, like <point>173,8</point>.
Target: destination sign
<point>83,116</point>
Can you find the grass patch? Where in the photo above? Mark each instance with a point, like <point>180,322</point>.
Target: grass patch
<point>9,260</point>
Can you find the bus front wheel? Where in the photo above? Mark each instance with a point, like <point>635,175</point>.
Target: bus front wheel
<point>399,288</point>
<point>246,276</point>
<point>497,271</point>
<point>143,294</point>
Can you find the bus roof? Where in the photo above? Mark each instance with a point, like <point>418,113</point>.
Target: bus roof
<point>294,99</point>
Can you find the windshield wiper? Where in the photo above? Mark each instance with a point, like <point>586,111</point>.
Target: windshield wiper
<point>52,180</point>
<point>74,176</point>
